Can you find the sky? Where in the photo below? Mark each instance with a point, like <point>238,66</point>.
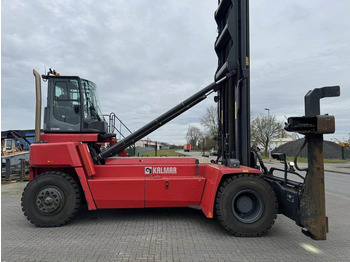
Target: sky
<point>148,56</point>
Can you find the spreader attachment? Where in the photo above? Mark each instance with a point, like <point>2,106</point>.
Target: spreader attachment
<point>312,212</point>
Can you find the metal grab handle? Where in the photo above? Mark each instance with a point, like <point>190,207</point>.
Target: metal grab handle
<point>312,98</point>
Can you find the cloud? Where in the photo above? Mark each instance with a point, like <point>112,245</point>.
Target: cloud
<point>147,56</point>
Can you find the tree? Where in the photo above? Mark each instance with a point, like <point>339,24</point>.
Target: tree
<point>209,142</point>
<point>193,135</point>
<point>263,129</point>
<point>210,121</point>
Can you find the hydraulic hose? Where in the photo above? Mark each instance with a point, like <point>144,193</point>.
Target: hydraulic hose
<point>297,155</point>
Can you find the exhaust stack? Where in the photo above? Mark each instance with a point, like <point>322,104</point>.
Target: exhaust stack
<point>37,106</point>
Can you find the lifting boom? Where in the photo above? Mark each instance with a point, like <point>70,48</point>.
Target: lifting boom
<point>161,120</point>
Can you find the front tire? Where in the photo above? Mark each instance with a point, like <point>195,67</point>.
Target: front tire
<point>246,205</point>
<point>51,199</point>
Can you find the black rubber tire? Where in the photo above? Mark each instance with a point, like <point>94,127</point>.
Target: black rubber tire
<point>69,202</point>
<point>224,205</point>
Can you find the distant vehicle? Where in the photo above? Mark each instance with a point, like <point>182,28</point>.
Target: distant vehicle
<point>213,152</point>
<point>15,142</point>
<point>187,147</point>
<point>10,147</point>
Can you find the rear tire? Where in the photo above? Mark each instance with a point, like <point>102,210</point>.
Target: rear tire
<point>246,205</point>
<point>51,199</point>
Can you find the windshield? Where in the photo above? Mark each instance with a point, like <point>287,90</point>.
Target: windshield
<point>92,109</point>
<point>8,143</point>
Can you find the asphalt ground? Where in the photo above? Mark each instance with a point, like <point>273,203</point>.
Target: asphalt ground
<point>166,234</point>
<point>342,167</point>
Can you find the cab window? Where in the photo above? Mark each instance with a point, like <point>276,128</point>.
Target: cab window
<point>67,101</point>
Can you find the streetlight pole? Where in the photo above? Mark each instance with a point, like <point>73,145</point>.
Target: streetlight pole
<point>268,122</point>
<point>268,113</point>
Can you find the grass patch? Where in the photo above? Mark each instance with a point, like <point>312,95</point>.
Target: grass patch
<point>336,160</point>
<point>304,160</point>
<point>167,152</point>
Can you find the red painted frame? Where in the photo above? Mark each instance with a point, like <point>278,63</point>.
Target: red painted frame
<point>131,182</point>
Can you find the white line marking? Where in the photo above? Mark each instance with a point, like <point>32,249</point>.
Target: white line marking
<point>311,248</point>
<point>338,195</point>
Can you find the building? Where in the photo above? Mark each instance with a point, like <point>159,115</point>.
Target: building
<point>282,139</point>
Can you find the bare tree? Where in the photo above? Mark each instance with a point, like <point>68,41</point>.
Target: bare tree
<point>263,129</point>
<point>210,121</point>
<point>193,135</point>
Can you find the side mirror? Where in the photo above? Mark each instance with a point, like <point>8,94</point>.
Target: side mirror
<point>279,156</point>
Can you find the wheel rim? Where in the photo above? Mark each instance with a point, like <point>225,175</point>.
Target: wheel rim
<point>49,200</point>
<point>247,206</point>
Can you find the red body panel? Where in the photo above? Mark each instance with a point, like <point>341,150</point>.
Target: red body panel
<point>86,159</point>
<point>146,182</point>
<point>213,174</point>
<point>55,155</point>
<point>133,182</point>
<point>172,191</point>
<point>150,161</point>
<point>54,138</point>
<point>87,192</point>
<point>117,187</point>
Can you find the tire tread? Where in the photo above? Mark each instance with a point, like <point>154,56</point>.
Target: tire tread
<point>76,202</point>
<point>218,199</point>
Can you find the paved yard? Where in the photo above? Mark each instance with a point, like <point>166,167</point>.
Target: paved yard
<point>177,234</point>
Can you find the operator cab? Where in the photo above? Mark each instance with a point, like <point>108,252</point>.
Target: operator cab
<point>72,106</point>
